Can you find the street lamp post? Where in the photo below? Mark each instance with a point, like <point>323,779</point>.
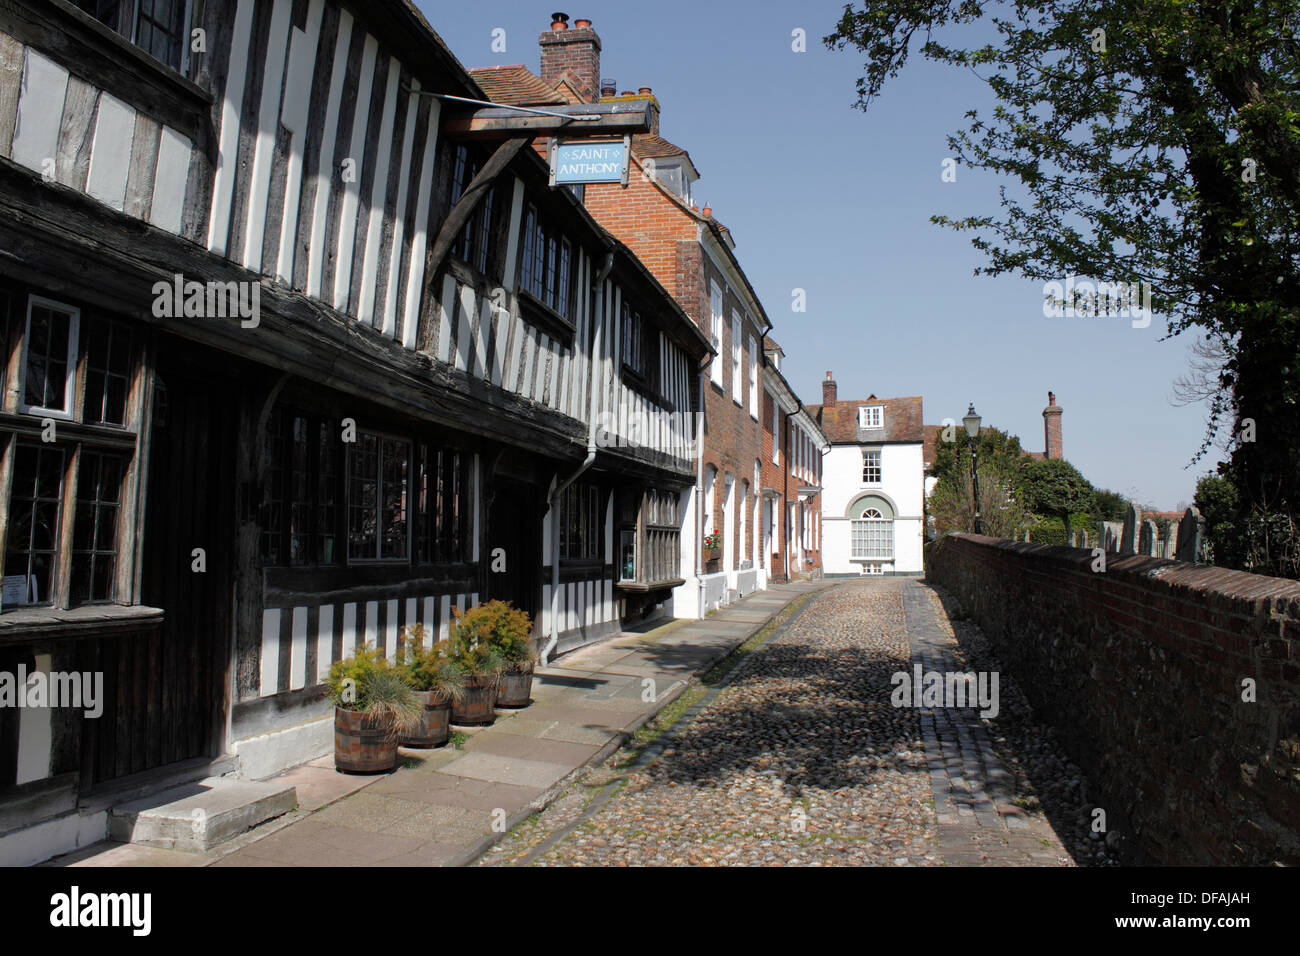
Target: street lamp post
<point>972,423</point>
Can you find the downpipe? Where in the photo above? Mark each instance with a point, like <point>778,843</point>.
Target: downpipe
<point>553,638</point>
<point>699,489</point>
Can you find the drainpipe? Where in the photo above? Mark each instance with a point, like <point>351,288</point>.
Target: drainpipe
<point>785,500</point>
<point>699,489</point>
<point>599,314</point>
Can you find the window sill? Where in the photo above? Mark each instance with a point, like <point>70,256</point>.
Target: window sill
<point>29,426</point>
<point>89,620</point>
<point>538,313</point>
<point>640,587</point>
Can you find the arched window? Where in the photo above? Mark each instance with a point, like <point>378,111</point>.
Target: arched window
<point>872,536</point>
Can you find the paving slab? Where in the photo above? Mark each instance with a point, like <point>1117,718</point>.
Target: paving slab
<point>514,770</point>
<point>528,748</point>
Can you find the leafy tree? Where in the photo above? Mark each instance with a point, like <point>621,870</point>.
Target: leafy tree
<point>1002,513</point>
<point>993,444</point>
<point>1154,141</point>
<point>1110,505</point>
<point>1053,486</point>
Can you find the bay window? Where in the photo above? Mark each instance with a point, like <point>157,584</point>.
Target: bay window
<point>650,548</point>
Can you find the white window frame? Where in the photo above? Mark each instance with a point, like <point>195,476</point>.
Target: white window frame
<point>869,531</point>
<point>880,466</point>
<point>715,325</point>
<point>753,378</point>
<point>776,432</point>
<point>737,389</point>
<point>871,416</point>
<point>70,381</point>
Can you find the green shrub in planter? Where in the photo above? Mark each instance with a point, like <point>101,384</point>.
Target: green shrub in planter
<point>374,706</point>
<point>508,630</point>
<point>368,684</point>
<point>430,669</point>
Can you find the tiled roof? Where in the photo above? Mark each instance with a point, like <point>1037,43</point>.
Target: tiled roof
<point>516,85</point>
<point>840,421</point>
<point>927,449</point>
<point>654,146</point>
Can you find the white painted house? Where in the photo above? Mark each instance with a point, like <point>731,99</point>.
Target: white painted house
<point>873,484</point>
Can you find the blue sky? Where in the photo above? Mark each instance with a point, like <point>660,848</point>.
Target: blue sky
<point>823,197</point>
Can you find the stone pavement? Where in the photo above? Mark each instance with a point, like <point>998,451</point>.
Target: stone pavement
<point>973,792</point>
<point>801,758</point>
<point>444,807</point>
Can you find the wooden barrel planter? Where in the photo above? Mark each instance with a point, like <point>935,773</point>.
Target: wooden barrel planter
<point>363,744</point>
<point>516,689</point>
<point>477,704</point>
<point>434,728</point>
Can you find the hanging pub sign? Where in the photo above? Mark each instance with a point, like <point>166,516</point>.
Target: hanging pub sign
<point>590,161</point>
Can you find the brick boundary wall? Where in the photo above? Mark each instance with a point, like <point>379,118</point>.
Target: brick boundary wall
<point>1140,670</point>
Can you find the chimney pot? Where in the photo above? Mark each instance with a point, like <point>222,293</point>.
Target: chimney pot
<point>644,91</point>
<point>581,24</point>
<point>573,52</point>
<point>608,87</point>
<point>706,212</point>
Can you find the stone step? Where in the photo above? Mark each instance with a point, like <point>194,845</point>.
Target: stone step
<point>200,815</point>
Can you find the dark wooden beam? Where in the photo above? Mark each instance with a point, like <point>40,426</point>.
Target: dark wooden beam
<point>68,244</point>
<point>476,190</point>
<point>495,122</point>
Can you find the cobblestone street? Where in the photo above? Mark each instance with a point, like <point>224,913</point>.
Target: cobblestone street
<point>799,758</point>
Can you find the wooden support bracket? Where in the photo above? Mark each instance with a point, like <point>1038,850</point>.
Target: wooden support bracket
<point>474,192</point>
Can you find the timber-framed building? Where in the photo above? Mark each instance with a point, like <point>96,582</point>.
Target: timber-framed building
<point>297,354</point>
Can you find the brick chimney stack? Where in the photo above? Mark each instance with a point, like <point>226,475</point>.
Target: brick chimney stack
<point>830,392</point>
<point>1052,428</point>
<point>576,50</point>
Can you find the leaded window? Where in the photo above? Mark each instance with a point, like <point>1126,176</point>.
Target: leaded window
<point>378,471</point>
<point>94,540</point>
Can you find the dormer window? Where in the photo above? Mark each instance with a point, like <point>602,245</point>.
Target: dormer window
<point>871,416</point>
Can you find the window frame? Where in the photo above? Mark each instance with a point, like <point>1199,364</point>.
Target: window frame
<point>71,372</point>
<point>879,458</point>
<point>129,16</point>
<point>737,343</point>
<point>379,559</point>
<point>753,378</point>
<point>589,497</point>
<point>864,531</point>
<point>121,442</point>
<point>655,538</point>
<point>546,277</point>
<point>716,319</point>
<point>869,413</point>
